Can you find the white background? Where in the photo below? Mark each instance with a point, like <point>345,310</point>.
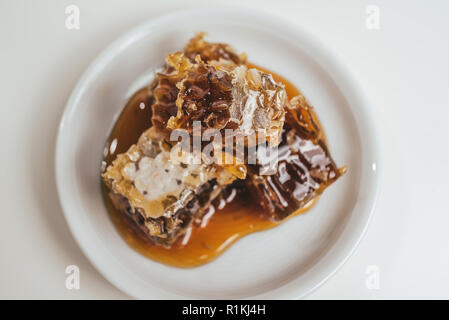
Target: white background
<point>403,67</point>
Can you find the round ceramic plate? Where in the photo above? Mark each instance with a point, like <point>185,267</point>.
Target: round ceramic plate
<point>288,261</point>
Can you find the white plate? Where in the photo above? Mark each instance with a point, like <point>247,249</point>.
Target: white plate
<point>285,262</point>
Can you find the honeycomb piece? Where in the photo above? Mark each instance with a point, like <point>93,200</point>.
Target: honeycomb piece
<point>304,167</point>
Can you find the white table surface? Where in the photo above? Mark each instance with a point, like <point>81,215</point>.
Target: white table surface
<point>403,67</point>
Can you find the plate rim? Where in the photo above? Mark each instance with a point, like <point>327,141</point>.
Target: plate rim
<point>339,69</point>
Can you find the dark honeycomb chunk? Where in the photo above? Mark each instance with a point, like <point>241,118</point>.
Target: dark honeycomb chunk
<point>304,166</point>
<point>205,95</point>
<point>165,230</point>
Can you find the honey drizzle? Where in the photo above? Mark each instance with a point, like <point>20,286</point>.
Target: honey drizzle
<point>204,241</point>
